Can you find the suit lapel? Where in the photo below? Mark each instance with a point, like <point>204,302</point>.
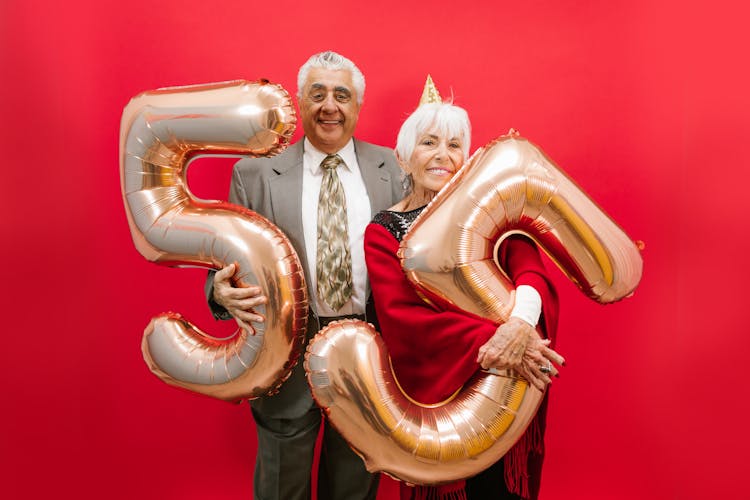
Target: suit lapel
<point>286,198</point>
<point>377,179</point>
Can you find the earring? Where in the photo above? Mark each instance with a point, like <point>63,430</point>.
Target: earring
<point>407,182</point>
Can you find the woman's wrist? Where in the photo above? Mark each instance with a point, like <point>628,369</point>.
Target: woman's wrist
<point>528,305</point>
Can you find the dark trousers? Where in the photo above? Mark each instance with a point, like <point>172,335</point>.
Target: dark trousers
<point>490,485</point>
<point>283,468</point>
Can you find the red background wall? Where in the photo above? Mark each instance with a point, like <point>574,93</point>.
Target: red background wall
<point>644,103</point>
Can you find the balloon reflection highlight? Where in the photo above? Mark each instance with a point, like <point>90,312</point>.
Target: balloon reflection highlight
<point>161,132</point>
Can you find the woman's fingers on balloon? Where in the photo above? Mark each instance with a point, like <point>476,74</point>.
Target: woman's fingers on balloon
<point>490,357</point>
<point>544,358</point>
<point>494,358</point>
<point>535,377</point>
<point>487,348</point>
<point>483,358</point>
<point>549,361</point>
<point>548,369</point>
<point>553,356</point>
<point>540,366</point>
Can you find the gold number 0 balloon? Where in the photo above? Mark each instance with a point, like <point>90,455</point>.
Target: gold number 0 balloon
<point>507,187</point>
<point>161,131</point>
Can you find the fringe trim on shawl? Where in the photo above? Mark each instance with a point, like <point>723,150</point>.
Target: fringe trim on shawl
<point>452,491</point>
<point>516,472</point>
<point>516,461</point>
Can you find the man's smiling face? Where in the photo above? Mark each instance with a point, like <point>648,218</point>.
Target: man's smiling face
<point>329,108</point>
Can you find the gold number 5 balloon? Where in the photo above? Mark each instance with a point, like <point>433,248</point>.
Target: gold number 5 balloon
<point>511,186</point>
<point>161,131</point>
<point>449,254</point>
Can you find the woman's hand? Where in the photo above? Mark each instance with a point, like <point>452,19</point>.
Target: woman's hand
<point>537,365</point>
<point>517,345</point>
<point>506,348</point>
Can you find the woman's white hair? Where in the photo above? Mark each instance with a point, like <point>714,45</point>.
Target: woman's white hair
<point>445,118</point>
<point>332,61</point>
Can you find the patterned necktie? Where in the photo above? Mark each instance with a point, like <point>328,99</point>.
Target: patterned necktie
<point>334,262</point>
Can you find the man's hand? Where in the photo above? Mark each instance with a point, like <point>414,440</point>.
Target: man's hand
<point>239,302</point>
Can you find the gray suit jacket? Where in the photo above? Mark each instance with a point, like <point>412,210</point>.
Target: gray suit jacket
<point>272,187</point>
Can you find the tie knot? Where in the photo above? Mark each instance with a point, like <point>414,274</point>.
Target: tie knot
<point>331,161</point>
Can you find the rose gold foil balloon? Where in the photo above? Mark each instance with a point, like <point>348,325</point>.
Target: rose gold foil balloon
<point>352,380</point>
<point>449,254</point>
<point>511,186</point>
<point>161,132</point>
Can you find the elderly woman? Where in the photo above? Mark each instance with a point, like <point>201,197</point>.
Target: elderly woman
<point>435,351</point>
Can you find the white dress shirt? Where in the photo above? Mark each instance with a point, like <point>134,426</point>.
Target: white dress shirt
<point>358,213</point>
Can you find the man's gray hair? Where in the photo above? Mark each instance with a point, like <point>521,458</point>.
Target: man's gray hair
<point>448,120</point>
<point>332,61</point>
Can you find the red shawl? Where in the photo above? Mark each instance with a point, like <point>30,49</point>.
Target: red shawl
<point>434,351</point>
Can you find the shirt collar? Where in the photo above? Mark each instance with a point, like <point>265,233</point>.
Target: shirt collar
<point>314,156</point>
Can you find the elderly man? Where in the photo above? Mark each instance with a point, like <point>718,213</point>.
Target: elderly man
<point>322,191</point>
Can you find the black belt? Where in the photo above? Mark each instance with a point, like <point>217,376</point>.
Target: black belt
<point>324,320</point>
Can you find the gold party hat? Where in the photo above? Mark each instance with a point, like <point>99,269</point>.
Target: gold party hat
<point>430,93</point>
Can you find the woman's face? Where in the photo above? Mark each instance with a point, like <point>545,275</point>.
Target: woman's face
<point>435,160</point>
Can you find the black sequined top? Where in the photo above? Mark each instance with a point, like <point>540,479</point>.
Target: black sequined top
<point>397,223</point>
